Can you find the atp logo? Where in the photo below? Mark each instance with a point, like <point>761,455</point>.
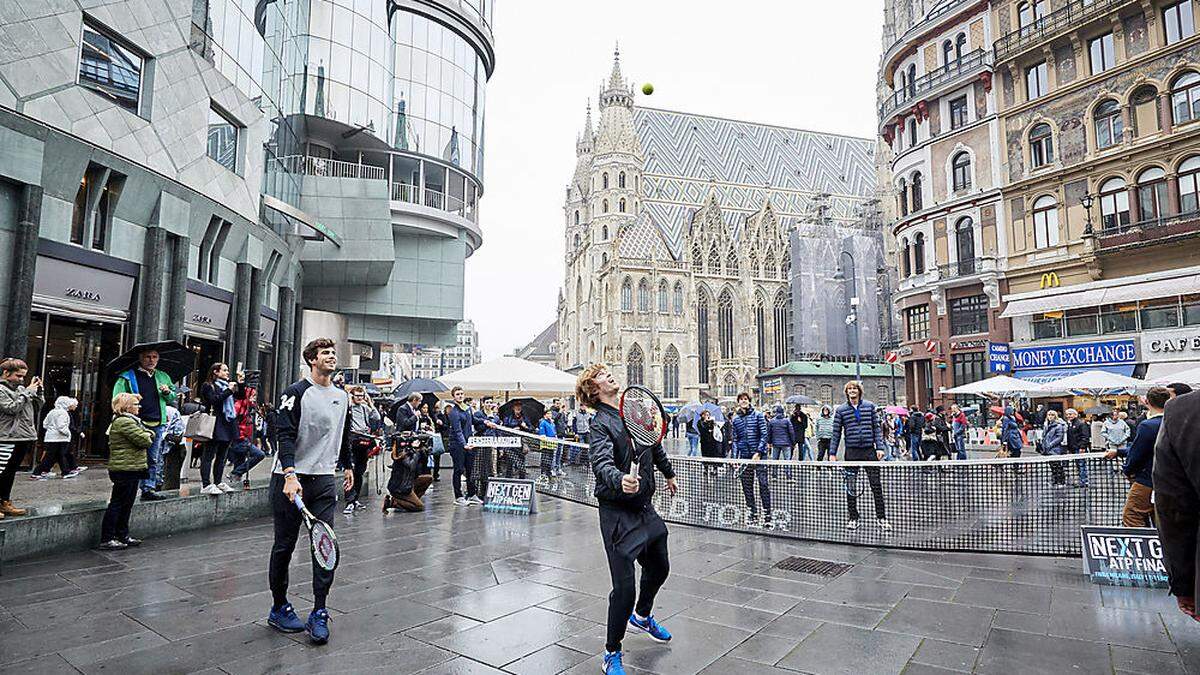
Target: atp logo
<point>287,402</point>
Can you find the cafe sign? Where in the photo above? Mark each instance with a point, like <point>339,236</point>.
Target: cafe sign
<point>1171,345</point>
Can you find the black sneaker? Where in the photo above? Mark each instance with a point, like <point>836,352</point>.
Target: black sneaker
<point>246,483</point>
<point>149,496</point>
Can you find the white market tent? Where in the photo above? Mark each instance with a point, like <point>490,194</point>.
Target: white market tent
<point>1000,386</point>
<point>510,376</point>
<point>1096,383</point>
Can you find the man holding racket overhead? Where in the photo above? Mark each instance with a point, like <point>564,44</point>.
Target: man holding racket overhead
<point>630,527</point>
<point>314,444</point>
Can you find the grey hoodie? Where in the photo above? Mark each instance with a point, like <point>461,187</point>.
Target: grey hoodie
<point>18,412</point>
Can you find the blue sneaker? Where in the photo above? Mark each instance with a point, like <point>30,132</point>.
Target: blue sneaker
<point>318,626</point>
<point>284,619</point>
<point>612,663</point>
<point>650,627</point>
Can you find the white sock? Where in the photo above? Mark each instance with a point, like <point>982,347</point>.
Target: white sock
<point>639,617</point>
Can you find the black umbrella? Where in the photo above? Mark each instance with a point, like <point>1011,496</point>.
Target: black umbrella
<point>800,399</point>
<point>173,358</point>
<point>531,409</point>
<point>420,385</point>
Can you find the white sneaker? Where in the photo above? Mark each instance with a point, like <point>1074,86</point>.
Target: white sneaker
<point>851,524</point>
<point>224,487</point>
<point>475,500</point>
<point>461,502</point>
<point>885,525</point>
<point>360,506</point>
<point>349,508</point>
<point>210,489</point>
<point>81,468</point>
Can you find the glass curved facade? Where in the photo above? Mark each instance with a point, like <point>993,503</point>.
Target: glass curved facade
<point>439,83</point>
<point>347,74</point>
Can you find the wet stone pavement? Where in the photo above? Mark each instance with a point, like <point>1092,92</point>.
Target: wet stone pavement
<point>454,590</point>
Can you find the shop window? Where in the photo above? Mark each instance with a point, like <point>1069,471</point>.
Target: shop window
<point>111,68</point>
<point>1191,310</point>
<point>958,112</point>
<point>223,139</point>
<point>1047,325</point>
<point>1118,318</point>
<point>968,367</point>
<point>1163,313</point>
<point>916,320</point>
<point>1177,21</point>
<point>1114,204</point>
<point>969,315</point>
<point>1109,126</point>
<point>1082,322</point>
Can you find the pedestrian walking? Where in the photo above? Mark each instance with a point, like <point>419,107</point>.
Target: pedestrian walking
<point>242,452</point>
<point>19,406</point>
<point>128,464</point>
<point>856,422</point>
<point>314,444</point>
<point>914,424</point>
<point>691,432</point>
<point>157,392</point>
<point>364,420</point>
<point>824,430</point>
<point>958,429</point>
<point>56,441</point>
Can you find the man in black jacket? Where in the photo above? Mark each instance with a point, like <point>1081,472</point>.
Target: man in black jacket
<point>629,525</point>
<point>1177,497</point>
<point>1079,440</point>
<point>405,414</point>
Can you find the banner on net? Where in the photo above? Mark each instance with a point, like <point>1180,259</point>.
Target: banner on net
<point>1124,556</point>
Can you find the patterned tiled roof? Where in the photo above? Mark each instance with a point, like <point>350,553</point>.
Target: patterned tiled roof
<point>688,156</point>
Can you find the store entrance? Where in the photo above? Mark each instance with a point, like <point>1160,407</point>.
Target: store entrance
<point>70,356</point>
<point>207,352</point>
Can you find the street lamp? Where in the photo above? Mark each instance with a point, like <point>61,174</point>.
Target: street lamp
<point>1087,200</point>
<point>852,318</point>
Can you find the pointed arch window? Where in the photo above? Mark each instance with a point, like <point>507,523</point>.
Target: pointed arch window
<point>604,206</point>
<point>577,217</point>
<point>635,366</point>
<point>785,267</point>
<point>643,296</point>
<point>627,295</point>
<point>621,205</point>
<point>725,323</point>
<point>902,195</point>
<point>731,262</point>
<point>916,192</point>
<point>671,373</point>
<point>664,297</point>
<point>769,269</point>
<point>702,338</point>
<point>604,181</point>
<point>604,232</point>
<point>677,301</point>
<point>621,179</point>
<point>782,316</point>
<point>697,258</point>
<point>714,260</point>
<point>760,329</point>
<point>1114,203</point>
<point>576,240</point>
<point>754,270</point>
<point>729,387</point>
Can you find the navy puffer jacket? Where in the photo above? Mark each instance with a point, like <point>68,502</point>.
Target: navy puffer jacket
<point>781,432</point>
<point>749,434</point>
<point>858,428</point>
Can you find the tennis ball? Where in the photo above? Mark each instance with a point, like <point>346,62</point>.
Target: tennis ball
<point>647,89</point>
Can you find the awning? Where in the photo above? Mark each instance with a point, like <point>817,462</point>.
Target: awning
<point>1165,372</point>
<point>1043,376</point>
<point>1092,297</point>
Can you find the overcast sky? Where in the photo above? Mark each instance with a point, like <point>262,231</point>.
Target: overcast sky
<point>799,63</point>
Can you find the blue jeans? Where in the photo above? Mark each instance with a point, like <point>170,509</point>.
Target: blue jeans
<point>805,450</point>
<point>556,463</point>
<point>914,446</point>
<point>244,456</point>
<point>782,452</point>
<point>693,445</point>
<point>154,463</point>
<point>960,445</point>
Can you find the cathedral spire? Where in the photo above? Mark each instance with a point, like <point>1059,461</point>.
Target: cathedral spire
<point>583,143</point>
<point>615,81</point>
<point>616,91</point>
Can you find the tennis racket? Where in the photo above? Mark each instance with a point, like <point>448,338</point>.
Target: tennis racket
<point>322,542</point>
<point>644,418</point>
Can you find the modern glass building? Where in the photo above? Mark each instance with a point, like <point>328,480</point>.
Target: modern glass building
<point>275,159</point>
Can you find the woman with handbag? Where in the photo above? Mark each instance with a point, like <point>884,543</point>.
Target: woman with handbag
<point>218,394</point>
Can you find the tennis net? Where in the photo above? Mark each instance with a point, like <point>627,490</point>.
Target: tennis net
<point>1020,505</point>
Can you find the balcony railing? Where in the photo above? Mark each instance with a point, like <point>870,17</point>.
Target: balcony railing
<point>1179,225</point>
<point>920,27</point>
<point>332,168</point>
<point>967,267</point>
<point>951,72</point>
<point>1053,24</point>
<point>434,199</point>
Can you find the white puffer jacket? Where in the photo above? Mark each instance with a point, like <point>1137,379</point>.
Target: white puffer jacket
<point>58,421</point>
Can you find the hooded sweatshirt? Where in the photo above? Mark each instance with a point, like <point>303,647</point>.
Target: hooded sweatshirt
<point>58,421</point>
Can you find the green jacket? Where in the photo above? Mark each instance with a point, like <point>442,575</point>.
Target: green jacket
<point>127,384</point>
<point>128,439</point>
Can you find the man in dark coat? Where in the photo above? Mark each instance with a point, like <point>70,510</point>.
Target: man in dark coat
<point>1177,497</point>
<point>857,421</point>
